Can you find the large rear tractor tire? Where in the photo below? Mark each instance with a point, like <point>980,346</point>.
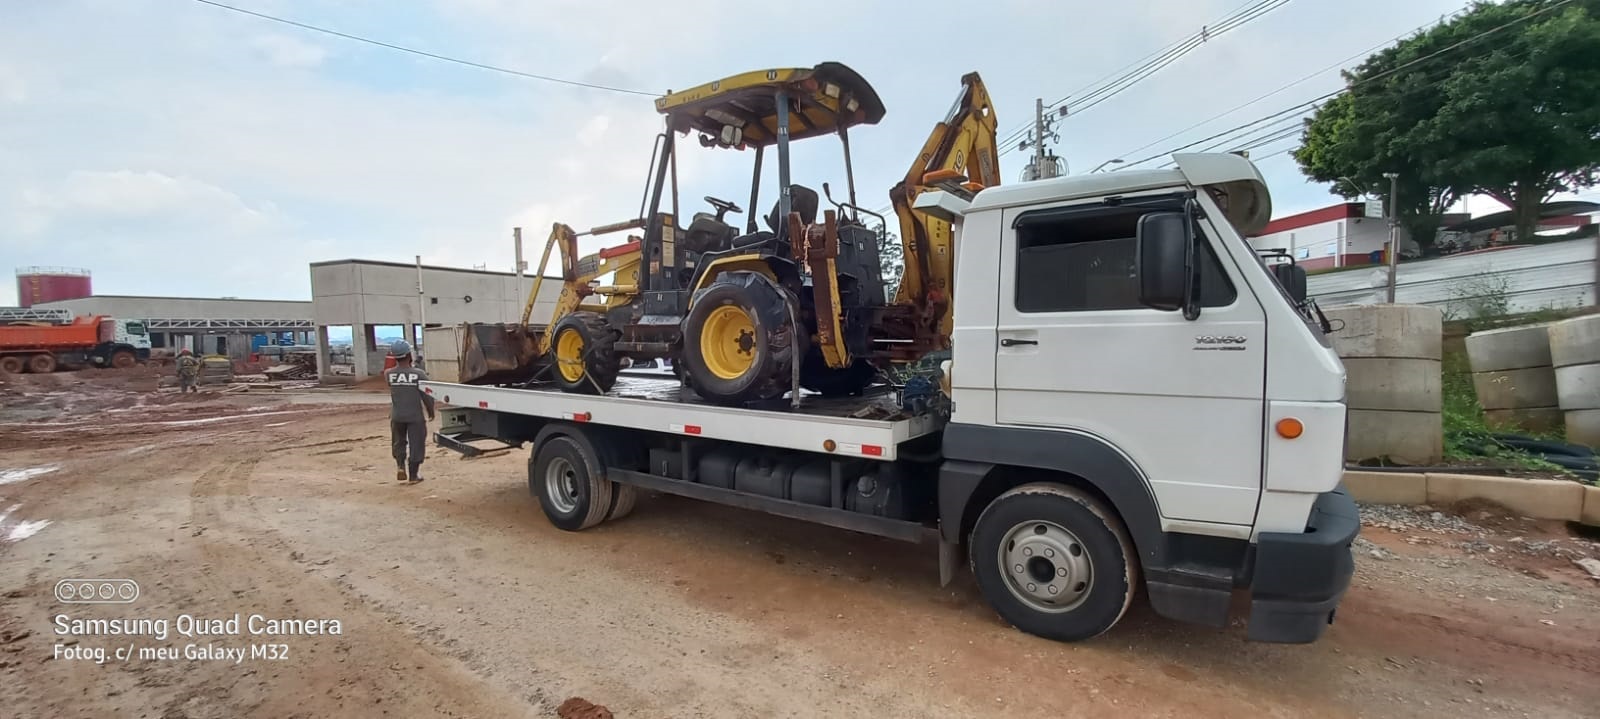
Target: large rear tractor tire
<point>739,340</point>
<point>584,349</point>
<point>42,364</point>
<point>12,364</point>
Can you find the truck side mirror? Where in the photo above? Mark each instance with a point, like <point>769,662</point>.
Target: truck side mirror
<point>1293,279</point>
<point>1162,256</point>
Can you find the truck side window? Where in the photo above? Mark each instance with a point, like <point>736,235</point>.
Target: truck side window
<point>1084,262</point>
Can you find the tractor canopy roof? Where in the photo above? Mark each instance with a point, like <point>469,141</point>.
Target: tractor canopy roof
<point>826,97</point>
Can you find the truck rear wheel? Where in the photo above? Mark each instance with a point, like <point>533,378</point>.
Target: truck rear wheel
<point>1054,562</point>
<point>586,360</point>
<point>570,484</point>
<point>739,340</point>
<point>11,364</point>
<point>42,364</point>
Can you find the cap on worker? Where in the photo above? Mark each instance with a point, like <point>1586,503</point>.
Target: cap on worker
<point>399,349</point>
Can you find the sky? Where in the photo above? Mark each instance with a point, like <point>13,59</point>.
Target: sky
<point>175,148</point>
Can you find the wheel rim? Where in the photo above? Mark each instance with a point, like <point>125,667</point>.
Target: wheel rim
<point>561,485</point>
<point>728,342</point>
<point>569,355</point>
<point>1046,567</point>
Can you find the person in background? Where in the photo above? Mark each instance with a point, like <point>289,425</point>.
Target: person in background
<point>407,428</point>
<point>188,371</point>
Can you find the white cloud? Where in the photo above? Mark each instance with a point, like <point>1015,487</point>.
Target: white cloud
<point>13,89</point>
<point>121,195</point>
<point>285,51</point>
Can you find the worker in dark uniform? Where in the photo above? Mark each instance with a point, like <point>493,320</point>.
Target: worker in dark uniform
<point>407,428</point>
<point>188,371</point>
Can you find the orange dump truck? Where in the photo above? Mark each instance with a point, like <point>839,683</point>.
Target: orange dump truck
<point>92,341</point>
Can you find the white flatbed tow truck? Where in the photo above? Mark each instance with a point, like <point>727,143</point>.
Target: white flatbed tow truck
<point>1137,401</point>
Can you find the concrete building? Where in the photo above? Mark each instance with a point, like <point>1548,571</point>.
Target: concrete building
<point>366,295</point>
<point>1342,235</point>
<point>225,326</point>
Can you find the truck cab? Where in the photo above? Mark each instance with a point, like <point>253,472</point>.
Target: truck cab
<point>133,334</point>
<point>1117,329</point>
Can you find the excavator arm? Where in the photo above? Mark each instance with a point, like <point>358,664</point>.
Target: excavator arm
<point>963,144</point>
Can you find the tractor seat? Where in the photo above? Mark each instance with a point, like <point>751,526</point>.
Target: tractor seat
<point>803,200</point>
<point>707,234</point>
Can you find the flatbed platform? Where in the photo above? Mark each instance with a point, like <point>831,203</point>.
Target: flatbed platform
<point>871,427</point>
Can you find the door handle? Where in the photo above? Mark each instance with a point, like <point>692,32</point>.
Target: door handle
<point>1012,342</point>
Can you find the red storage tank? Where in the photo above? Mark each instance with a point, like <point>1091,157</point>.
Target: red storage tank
<point>37,285</point>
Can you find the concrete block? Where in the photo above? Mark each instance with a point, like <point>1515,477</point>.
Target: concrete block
<point>1387,487</point>
<point>1410,385</point>
<point>1509,348</point>
<point>1575,341</point>
<point>1536,498</point>
<point>1583,426</point>
<point>1578,386</point>
<point>1414,331</point>
<point>1516,388</point>
<point>1532,419</point>
<point>1408,438</point>
<point>1591,507</point>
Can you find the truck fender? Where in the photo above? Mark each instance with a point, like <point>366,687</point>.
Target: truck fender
<point>975,453</point>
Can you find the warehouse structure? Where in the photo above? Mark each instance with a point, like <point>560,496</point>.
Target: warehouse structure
<point>377,301</point>
<point>228,326</point>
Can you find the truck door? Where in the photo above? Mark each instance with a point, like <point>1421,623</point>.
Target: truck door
<point>1078,352</point>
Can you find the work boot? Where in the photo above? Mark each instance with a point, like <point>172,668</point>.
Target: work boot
<point>399,474</point>
<point>416,472</point>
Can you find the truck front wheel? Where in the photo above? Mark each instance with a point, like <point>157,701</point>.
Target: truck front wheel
<point>570,484</point>
<point>123,359</point>
<point>1054,562</point>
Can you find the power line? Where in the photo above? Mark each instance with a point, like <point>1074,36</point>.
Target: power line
<point>1351,86</point>
<point>423,53</point>
<point>1129,75</point>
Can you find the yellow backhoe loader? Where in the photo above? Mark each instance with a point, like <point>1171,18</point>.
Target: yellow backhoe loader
<point>749,314</point>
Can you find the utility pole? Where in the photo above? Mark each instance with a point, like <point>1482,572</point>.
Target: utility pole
<point>422,311</point>
<point>516,244</point>
<point>1038,137</point>
<point>1394,231</point>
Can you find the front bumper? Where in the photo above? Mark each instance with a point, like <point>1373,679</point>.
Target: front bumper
<point>1299,578</point>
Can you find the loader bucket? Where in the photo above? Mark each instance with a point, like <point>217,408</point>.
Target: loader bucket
<point>499,354</point>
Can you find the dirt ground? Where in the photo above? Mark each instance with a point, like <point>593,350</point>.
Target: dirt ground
<point>455,598</point>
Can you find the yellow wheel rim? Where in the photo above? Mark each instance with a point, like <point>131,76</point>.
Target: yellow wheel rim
<point>569,355</point>
<point>728,342</point>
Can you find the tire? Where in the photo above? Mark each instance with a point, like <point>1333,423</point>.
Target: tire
<point>123,360</point>
<point>1066,538</point>
<point>623,499</point>
<point>739,340</point>
<point>12,364</point>
<point>817,376</point>
<point>570,484</point>
<point>584,352</point>
<point>42,364</point>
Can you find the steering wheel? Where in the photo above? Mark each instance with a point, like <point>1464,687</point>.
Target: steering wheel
<point>722,207</point>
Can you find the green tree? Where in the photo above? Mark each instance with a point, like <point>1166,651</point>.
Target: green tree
<point>1500,100</point>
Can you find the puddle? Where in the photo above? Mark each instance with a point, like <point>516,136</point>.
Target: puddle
<point>12,476</point>
<point>21,530</point>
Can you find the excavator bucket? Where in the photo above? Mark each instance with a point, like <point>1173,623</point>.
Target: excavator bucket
<point>500,354</point>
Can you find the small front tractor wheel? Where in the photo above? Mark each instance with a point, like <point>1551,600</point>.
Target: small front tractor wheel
<point>584,353</point>
<point>739,339</point>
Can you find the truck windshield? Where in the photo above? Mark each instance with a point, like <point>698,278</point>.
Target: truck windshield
<point>135,328</point>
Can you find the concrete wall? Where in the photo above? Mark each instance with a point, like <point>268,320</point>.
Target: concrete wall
<point>350,292</point>
<point>146,308</point>
<point>364,294</point>
<point>1558,275</point>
